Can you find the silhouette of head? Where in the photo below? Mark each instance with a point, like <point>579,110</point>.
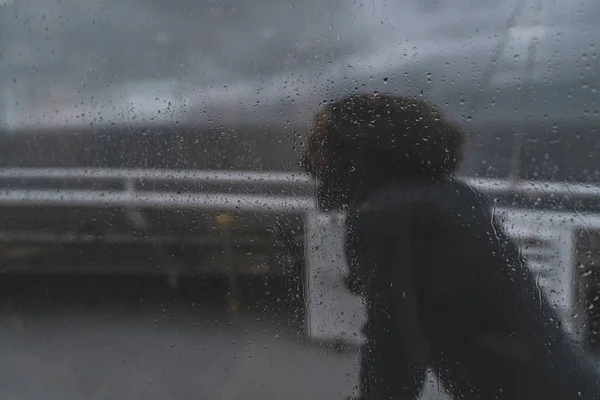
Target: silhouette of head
<point>362,141</point>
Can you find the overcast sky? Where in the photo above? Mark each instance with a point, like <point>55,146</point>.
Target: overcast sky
<point>75,61</point>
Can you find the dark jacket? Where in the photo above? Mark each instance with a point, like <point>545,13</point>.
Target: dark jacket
<point>447,289</point>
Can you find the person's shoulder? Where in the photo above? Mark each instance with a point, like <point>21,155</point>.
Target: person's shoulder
<point>397,204</point>
<point>396,195</point>
<point>443,194</point>
<point>421,205</point>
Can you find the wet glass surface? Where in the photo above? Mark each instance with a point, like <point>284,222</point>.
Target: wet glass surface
<point>158,237</point>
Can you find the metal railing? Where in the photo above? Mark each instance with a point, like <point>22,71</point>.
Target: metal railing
<point>497,186</point>
<point>133,193</point>
<point>153,174</point>
<point>130,178</point>
<point>131,196</point>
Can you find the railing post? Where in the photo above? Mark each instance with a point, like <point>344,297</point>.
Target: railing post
<point>234,298</point>
<point>568,274</point>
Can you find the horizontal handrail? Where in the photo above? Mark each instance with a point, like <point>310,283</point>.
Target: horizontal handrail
<point>534,188</point>
<point>94,198</point>
<point>225,202</point>
<point>82,238</point>
<point>155,174</point>
<point>220,176</point>
<point>519,217</point>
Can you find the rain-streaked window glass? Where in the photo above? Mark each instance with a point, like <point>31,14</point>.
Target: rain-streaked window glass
<point>260,199</point>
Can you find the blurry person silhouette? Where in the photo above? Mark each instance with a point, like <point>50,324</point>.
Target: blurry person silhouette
<point>445,288</point>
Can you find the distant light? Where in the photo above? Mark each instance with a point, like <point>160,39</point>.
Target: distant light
<point>161,37</point>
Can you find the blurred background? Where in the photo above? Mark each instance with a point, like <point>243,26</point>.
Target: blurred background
<point>157,239</point>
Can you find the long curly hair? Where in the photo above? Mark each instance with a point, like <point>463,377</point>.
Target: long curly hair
<point>364,140</point>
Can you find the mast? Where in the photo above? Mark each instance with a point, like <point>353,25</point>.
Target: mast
<point>517,149</point>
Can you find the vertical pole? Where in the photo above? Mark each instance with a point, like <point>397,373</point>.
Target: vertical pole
<point>515,165</point>
<point>233,301</point>
<point>574,318</point>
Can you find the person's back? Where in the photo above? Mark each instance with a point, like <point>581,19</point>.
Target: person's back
<point>480,322</point>
<point>445,287</point>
